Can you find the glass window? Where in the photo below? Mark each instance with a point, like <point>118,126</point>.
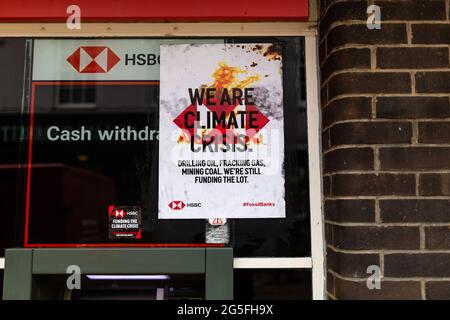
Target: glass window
<point>272,284</point>
<point>73,183</point>
<point>12,64</point>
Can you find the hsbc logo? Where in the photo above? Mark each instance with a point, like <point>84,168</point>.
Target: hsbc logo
<point>93,59</point>
<point>177,205</point>
<point>119,213</point>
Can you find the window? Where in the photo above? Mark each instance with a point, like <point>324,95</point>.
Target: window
<point>74,182</point>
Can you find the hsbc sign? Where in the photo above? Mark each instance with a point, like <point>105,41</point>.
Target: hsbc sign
<point>180,205</point>
<point>92,59</point>
<point>100,59</point>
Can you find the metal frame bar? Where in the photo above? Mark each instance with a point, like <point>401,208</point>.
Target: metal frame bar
<point>315,167</point>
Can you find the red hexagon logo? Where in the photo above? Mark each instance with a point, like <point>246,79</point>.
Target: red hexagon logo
<point>93,59</point>
<point>177,205</point>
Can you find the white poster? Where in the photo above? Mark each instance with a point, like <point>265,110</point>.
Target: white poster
<point>221,142</point>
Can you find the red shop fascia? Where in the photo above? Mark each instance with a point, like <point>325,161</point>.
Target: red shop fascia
<point>151,10</point>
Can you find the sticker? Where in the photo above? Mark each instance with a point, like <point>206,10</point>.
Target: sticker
<point>217,231</point>
<point>125,222</point>
<point>217,221</point>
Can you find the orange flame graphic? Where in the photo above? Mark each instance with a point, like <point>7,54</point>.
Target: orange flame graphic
<point>226,77</point>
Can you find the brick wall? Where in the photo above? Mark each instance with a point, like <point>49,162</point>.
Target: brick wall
<point>386,147</point>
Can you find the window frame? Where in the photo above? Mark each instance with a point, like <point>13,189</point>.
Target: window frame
<point>316,261</point>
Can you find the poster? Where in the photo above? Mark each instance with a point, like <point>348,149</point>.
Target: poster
<point>221,140</point>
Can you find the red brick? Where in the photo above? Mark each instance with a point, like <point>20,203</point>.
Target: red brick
<point>390,290</point>
<point>376,238</point>
<point>415,210</point>
<point>414,158</point>
<point>360,34</point>
<point>327,185</point>
<point>434,132</point>
<point>434,184</point>
<point>413,107</point>
<point>417,265</point>
<point>326,140</point>
<point>345,159</point>
<point>435,33</point>
<point>437,238</point>
<point>324,95</point>
<point>350,210</point>
<point>322,51</point>
<point>370,133</point>
<point>348,108</point>
<point>433,82</point>
<point>351,265</point>
<point>349,58</point>
<point>342,11</point>
<point>437,290</point>
<point>329,233</point>
<point>412,58</point>
<point>373,185</point>
<point>412,9</point>
<point>369,83</point>
<point>330,283</point>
